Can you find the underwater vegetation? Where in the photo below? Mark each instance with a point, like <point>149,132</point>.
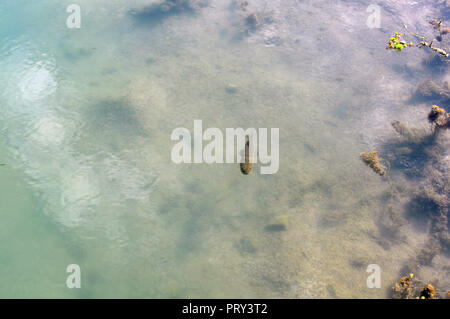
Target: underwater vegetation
<point>411,135</point>
<point>435,64</point>
<point>409,287</point>
<point>398,41</point>
<point>252,19</point>
<point>439,117</point>
<point>437,26</point>
<point>435,113</point>
<point>433,90</point>
<point>422,155</point>
<point>429,200</point>
<point>372,160</point>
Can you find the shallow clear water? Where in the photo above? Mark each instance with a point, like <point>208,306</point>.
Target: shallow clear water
<point>86,117</point>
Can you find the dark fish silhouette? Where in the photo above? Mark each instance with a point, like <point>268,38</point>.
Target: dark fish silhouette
<point>246,167</point>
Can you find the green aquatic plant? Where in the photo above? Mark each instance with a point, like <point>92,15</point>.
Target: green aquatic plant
<point>398,41</point>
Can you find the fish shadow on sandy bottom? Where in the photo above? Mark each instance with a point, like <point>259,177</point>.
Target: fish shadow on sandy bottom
<point>155,14</point>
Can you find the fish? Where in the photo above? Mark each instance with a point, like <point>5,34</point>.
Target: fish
<point>246,167</point>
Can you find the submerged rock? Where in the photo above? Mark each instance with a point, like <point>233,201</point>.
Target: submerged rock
<point>409,287</point>
<point>428,292</point>
<point>435,113</point>
<point>252,20</point>
<point>372,160</point>
<point>404,288</point>
<point>439,117</point>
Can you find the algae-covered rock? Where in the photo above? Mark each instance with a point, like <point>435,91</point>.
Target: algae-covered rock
<point>435,112</point>
<point>428,292</point>
<point>439,117</point>
<point>404,288</point>
<point>278,223</point>
<point>372,160</point>
<point>409,287</point>
<point>443,121</point>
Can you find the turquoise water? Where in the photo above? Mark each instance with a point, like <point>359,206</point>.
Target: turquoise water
<point>86,117</point>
